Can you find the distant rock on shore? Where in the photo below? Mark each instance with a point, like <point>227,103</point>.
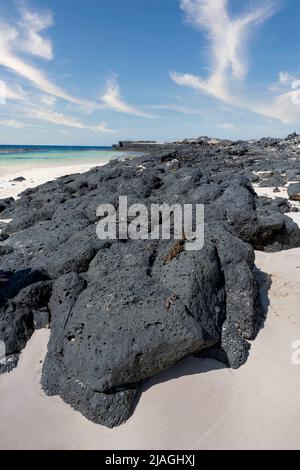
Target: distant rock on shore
<point>19,179</point>
<point>294,192</point>
<point>122,311</point>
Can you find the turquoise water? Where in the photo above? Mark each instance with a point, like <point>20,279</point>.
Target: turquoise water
<point>20,155</point>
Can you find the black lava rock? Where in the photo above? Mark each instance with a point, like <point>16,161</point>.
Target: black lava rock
<point>4,203</point>
<point>123,311</point>
<point>294,191</point>
<point>19,179</point>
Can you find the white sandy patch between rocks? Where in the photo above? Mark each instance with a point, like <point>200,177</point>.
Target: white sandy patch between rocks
<point>269,192</point>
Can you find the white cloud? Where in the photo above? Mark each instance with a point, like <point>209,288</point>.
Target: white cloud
<point>68,121</point>
<point>14,93</point>
<point>285,107</point>
<point>35,76</point>
<point>112,99</point>
<point>218,89</point>
<point>284,80</point>
<point>285,77</point>
<point>13,123</point>
<point>228,126</point>
<point>178,109</point>
<point>102,127</point>
<point>26,37</point>
<point>48,100</point>
<point>32,24</point>
<point>227,38</point>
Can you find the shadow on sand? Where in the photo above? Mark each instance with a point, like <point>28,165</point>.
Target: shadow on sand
<point>265,282</point>
<point>186,367</point>
<point>193,365</point>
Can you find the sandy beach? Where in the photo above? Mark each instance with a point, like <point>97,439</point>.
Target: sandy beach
<point>197,404</point>
<point>35,176</point>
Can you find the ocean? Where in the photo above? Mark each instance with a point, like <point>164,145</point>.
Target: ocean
<point>14,155</point>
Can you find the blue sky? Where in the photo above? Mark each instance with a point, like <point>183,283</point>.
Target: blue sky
<point>95,71</point>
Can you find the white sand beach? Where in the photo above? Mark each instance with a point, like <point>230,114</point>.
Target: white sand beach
<point>34,176</point>
<point>198,404</point>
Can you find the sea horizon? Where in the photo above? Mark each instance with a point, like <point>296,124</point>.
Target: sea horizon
<point>36,147</point>
<point>16,155</point>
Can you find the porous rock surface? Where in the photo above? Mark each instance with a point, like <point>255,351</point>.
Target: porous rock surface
<point>122,311</point>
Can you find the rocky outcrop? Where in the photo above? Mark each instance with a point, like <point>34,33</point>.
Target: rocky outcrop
<point>294,192</point>
<point>121,311</point>
<point>4,203</point>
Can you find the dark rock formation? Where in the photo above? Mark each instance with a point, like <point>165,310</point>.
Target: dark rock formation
<point>4,203</point>
<point>294,192</point>
<point>279,204</point>
<point>3,237</point>
<point>121,311</point>
<point>19,179</point>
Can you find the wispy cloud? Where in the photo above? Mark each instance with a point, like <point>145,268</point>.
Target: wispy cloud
<point>188,110</point>
<point>227,37</point>
<point>40,98</point>
<point>13,123</point>
<point>112,99</point>
<point>31,25</point>
<point>26,37</point>
<point>53,117</point>
<point>285,77</point>
<point>283,100</point>
<point>285,107</point>
<point>14,92</point>
<point>228,126</point>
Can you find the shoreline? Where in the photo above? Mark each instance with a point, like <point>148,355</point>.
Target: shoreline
<point>34,176</point>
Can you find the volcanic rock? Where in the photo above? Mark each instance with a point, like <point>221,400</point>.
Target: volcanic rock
<point>294,192</point>
<point>4,203</point>
<point>19,179</point>
<point>121,311</point>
